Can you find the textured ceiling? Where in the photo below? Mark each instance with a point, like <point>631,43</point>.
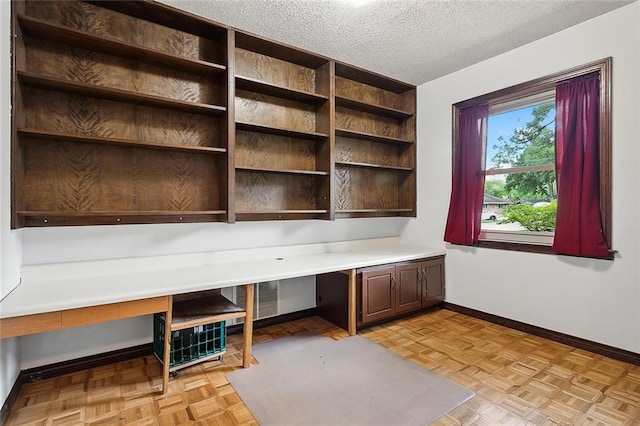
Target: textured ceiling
<point>411,40</point>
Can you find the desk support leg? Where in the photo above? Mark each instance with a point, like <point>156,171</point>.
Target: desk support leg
<point>166,361</point>
<point>352,302</point>
<point>248,325</point>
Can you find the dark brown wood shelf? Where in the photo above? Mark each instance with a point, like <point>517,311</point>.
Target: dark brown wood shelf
<point>280,51</point>
<point>203,308</point>
<point>371,137</point>
<point>165,15</point>
<point>372,108</point>
<point>280,131</point>
<point>255,85</point>
<point>68,137</point>
<point>372,79</point>
<point>373,166</point>
<point>284,211</point>
<point>281,215</point>
<point>372,210</point>
<point>77,38</point>
<point>283,171</point>
<point>57,218</point>
<point>56,84</point>
<point>364,213</point>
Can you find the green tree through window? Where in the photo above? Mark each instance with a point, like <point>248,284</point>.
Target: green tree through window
<point>531,145</point>
<point>525,159</point>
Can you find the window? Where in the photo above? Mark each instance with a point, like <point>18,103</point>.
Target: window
<point>512,173</point>
<point>520,188</point>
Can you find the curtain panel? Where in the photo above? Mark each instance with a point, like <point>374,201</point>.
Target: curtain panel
<point>467,186</point>
<point>578,220</point>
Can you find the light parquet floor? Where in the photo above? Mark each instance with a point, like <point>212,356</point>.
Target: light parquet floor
<point>519,379</point>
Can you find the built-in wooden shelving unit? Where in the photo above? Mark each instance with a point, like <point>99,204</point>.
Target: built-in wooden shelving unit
<point>375,145</point>
<point>283,139</point>
<point>136,112</point>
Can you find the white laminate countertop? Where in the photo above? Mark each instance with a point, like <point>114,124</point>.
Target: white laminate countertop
<point>49,288</point>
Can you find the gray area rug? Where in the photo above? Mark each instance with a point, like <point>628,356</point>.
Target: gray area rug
<point>314,380</point>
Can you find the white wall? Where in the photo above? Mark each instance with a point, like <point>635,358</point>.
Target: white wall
<point>591,299</point>
<point>10,250</point>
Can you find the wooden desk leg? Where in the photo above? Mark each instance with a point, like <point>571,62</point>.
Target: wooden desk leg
<point>248,325</point>
<point>166,361</point>
<point>351,318</point>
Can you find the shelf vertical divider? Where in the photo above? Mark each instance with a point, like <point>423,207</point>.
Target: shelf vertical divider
<point>325,123</point>
<point>408,131</point>
<point>231,126</point>
<point>17,120</point>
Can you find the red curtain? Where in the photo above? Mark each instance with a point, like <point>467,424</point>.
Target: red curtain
<point>467,189</point>
<point>578,222</point>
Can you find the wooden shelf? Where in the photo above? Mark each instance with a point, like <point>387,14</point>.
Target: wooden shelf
<point>283,171</point>
<point>281,215</point>
<point>280,51</point>
<point>372,79</point>
<point>68,137</point>
<point>280,131</point>
<point>363,213</point>
<point>111,46</point>
<point>165,15</point>
<point>371,137</point>
<point>56,84</point>
<point>56,218</point>
<point>255,85</point>
<point>373,166</point>
<point>371,108</point>
<point>373,210</point>
<point>206,309</point>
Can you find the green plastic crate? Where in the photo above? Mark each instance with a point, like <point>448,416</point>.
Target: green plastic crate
<point>190,344</point>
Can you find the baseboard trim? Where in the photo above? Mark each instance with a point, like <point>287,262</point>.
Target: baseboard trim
<point>84,363</point>
<point>11,399</point>
<point>279,319</point>
<point>577,342</point>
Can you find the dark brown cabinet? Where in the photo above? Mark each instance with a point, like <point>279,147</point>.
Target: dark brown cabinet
<point>433,282</point>
<point>389,290</point>
<point>409,287</point>
<point>379,293</point>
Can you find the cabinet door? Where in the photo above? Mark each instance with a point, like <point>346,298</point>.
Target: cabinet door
<point>434,282</point>
<point>409,287</point>
<point>378,294</point>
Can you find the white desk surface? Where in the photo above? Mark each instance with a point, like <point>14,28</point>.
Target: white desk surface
<point>48,292</point>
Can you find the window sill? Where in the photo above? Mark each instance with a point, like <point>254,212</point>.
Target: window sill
<point>532,248</point>
<point>515,246</point>
<point>517,237</point>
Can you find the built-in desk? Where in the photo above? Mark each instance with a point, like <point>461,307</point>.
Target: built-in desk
<point>57,296</point>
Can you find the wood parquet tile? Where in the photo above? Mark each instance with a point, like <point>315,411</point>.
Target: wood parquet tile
<point>519,379</point>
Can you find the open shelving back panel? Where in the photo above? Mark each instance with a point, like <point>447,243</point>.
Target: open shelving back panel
<point>136,112</point>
